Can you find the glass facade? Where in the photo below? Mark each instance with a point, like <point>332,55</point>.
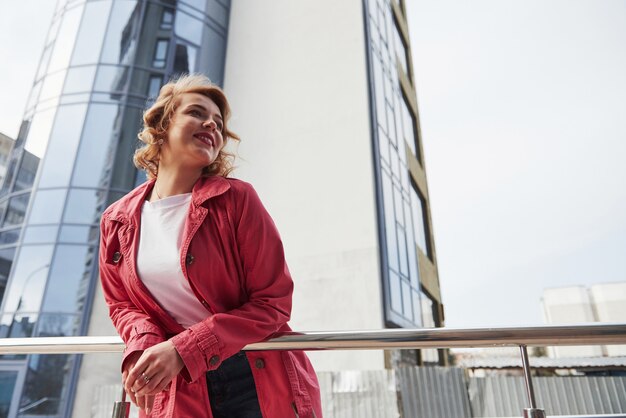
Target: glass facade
<point>402,210</point>
<point>102,63</point>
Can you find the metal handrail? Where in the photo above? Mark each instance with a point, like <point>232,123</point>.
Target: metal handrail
<point>584,334</point>
<point>548,335</point>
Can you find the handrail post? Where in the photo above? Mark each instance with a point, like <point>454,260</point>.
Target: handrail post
<point>533,411</point>
<point>121,409</point>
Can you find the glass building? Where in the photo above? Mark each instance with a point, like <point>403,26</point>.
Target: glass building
<point>410,281</point>
<point>102,62</point>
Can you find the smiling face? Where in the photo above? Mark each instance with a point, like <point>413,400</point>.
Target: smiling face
<point>194,136</point>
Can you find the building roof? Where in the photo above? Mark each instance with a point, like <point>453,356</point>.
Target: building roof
<point>542,362</point>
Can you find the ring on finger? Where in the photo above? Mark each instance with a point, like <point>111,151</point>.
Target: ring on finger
<point>145,377</point>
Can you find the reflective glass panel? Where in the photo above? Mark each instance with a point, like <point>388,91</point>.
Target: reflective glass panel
<point>167,19</point>
<point>160,53</point>
<point>6,261</point>
<point>407,304</point>
<point>52,85</point>
<point>74,99</point>
<point>400,49</point>
<point>84,206</point>
<point>379,93</point>
<point>188,27</point>
<point>40,234</point>
<point>54,28</point>
<point>391,125</point>
<point>111,78</point>
<point>39,133</point>
<point>419,222</point>
<point>390,222</point>
<point>119,44</point>
<point>64,43</point>
<point>217,11</point>
<point>77,234</point>
<point>408,125</point>
<point>140,178</point>
<point>57,325</point>
<point>79,80</point>
<point>155,86</point>
<point>34,94</point>
<point>18,325</point>
<point>198,4</point>
<point>43,387</point>
<point>96,147</point>
<point>27,171</point>
<point>69,279</point>
<point>7,386</point>
<point>92,31</point>
<point>212,55</point>
<point>404,263</point>
<point>412,252</point>
<point>383,143</point>
<point>124,173</point>
<point>61,152</point>
<point>184,59</point>
<point>29,278</point>
<point>399,212</point>
<point>47,206</point>
<point>395,292</point>
<point>17,210</point>
<point>3,208</point>
<point>10,236</point>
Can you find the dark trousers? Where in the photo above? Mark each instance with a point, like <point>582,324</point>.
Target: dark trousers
<point>231,389</point>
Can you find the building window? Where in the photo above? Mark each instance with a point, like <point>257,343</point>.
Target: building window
<point>401,49</point>
<point>160,53</point>
<point>154,86</point>
<point>167,19</point>
<point>409,131</point>
<point>420,228</point>
<point>184,58</point>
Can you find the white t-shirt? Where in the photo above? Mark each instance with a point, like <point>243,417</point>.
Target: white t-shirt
<point>158,258</point>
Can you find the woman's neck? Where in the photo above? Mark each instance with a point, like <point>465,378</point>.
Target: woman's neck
<point>173,182</point>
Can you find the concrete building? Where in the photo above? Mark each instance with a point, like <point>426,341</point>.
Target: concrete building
<point>604,302</point>
<point>324,99</point>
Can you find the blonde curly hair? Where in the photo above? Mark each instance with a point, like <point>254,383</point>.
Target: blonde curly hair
<point>156,121</point>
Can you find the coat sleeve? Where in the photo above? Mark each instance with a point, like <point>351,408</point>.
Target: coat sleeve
<point>134,326</point>
<point>268,284</point>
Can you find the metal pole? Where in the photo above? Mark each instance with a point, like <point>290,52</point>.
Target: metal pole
<point>589,334</point>
<point>121,409</point>
<point>533,411</point>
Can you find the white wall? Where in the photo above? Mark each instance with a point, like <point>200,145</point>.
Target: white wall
<point>569,305</point>
<point>296,78</point>
<point>610,305</point>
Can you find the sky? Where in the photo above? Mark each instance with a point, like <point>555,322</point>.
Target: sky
<point>523,120</point>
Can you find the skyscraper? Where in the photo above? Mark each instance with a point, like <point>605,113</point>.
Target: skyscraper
<point>323,95</point>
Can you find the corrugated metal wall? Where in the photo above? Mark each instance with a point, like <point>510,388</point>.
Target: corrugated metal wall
<point>433,392</point>
<point>443,392</point>
<point>503,396</point>
<point>362,394</point>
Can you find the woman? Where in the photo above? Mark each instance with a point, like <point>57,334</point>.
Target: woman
<point>193,269</point>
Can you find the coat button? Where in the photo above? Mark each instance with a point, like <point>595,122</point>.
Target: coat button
<point>189,259</point>
<point>214,360</point>
<point>259,363</point>
<point>116,257</point>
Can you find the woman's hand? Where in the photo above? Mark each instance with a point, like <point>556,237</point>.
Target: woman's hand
<point>151,373</point>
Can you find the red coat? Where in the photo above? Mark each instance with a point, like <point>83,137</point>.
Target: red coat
<point>233,258</point>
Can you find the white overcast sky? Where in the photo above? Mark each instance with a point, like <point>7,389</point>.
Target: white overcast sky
<point>523,117</point>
